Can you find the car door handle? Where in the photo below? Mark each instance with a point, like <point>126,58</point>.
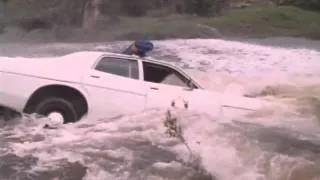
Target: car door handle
<point>154,88</point>
<point>93,76</point>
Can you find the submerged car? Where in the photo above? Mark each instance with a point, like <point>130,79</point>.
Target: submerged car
<point>97,83</point>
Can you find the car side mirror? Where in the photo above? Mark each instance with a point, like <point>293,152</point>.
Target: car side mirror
<point>190,85</point>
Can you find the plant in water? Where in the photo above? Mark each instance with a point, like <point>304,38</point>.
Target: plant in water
<point>174,130</point>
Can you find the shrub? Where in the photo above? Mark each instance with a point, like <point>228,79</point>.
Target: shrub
<point>111,8</point>
<point>135,8</point>
<point>305,4</point>
<point>53,12</point>
<point>205,7</point>
<point>30,24</point>
<point>141,7</point>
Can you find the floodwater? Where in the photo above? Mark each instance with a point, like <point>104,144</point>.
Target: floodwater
<point>278,143</point>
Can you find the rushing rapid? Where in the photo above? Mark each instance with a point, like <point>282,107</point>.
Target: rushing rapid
<point>278,143</point>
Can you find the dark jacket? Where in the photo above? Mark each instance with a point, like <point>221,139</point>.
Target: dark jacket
<point>143,47</point>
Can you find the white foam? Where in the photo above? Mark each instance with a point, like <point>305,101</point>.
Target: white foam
<point>231,67</point>
<point>243,58</point>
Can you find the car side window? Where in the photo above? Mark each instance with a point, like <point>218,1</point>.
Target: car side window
<point>162,74</point>
<point>119,66</point>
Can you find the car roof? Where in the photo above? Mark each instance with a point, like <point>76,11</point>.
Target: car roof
<point>94,55</point>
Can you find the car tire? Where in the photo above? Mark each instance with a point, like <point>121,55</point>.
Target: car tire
<point>62,106</point>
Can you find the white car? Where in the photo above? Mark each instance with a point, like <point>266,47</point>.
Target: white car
<point>107,84</point>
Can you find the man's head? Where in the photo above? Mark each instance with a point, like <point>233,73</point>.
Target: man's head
<point>135,48</point>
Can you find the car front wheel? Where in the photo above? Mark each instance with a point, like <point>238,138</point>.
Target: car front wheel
<point>57,109</point>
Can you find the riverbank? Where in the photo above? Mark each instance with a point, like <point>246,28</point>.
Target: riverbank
<point>258,22</point>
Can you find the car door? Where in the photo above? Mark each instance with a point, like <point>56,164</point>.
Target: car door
<point>114,87</point>
<point>167,85</point>
<point>164,85</point>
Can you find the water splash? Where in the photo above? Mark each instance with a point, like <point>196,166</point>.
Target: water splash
<point>277,143</point>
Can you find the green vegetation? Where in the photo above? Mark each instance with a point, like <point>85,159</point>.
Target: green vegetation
<point>254,22</point>
<point>122,20</point>
<point>269,21</point>
<point>305,4</point>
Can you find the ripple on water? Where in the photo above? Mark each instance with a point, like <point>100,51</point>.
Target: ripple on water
<point>136,148</point>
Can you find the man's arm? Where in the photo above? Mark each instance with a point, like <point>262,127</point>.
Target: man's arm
<point>128,51</point>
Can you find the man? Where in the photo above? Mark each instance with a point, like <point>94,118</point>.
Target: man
<point>139,48</point>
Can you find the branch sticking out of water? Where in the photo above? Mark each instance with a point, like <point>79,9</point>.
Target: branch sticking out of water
<point>174,130</point>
